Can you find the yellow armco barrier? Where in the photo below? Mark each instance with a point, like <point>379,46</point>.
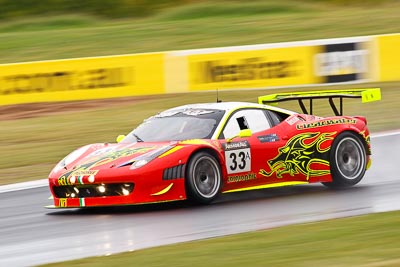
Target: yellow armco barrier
<point>80,79</point>
<point>252,68</point>
<point>389,57</point>
<point>327,61</point>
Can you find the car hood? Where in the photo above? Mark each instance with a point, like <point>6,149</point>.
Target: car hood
<point>106,156</point>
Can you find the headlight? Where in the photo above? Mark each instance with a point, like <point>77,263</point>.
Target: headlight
<point>139,163</point>
<point>146,158</point>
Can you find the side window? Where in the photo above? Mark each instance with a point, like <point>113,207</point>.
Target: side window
<point>276,117</point>
<point>253,119</point>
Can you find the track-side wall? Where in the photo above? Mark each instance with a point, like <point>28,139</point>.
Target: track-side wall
<point>318,62</point>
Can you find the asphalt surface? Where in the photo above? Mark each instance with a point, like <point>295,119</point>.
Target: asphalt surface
<point>32,235</point>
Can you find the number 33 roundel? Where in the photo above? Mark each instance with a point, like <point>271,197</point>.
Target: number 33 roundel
<point>238,157</point>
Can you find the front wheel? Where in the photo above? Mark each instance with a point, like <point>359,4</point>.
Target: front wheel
<point>348,160</point>
<point>203,178</point>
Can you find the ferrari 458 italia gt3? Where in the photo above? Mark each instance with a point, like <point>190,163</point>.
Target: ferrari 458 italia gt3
<point>198,151</point>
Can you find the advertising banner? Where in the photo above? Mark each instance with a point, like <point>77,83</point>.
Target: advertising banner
<point>389,57</point>
<point>258,68</point>
<point>80,79</point>
<point>343,60</point>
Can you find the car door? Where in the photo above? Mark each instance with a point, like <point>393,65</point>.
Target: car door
<point>247,158</point>
<point>240,163</point>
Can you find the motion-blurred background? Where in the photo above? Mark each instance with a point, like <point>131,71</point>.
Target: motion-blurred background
<point>62,84</point>
<point>42,128</point>
<point>55,29</point>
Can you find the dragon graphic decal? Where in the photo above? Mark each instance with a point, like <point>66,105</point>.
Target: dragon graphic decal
<point>300,154</point>
<point>367,140</point>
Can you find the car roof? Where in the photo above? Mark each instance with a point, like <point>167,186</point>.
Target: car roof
<point>230,106</point>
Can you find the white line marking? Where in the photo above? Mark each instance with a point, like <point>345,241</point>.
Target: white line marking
<point>240,48</point>
<point>385,134</point>
<point>44,182</point>
<point>24,185</point>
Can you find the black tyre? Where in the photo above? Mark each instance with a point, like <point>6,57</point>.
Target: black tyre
<point>348,160</point>
<point>203,178</point>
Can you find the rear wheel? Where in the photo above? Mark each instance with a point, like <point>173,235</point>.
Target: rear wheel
<point>348,160</point>
<point>203,178</point>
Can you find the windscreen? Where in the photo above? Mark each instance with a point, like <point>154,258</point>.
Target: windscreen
<point>177,125</point>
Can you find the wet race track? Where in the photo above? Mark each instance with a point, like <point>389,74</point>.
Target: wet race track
<point>31,234</point>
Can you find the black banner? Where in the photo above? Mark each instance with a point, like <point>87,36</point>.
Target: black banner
<point>343,62</point>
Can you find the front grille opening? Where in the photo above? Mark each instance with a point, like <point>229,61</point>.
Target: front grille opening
<point>93,190</point>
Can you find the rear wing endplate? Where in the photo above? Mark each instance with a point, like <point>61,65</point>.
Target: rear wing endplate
<point>366,95</point>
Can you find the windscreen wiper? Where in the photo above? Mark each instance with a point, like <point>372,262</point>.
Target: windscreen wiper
<point>137,138</point>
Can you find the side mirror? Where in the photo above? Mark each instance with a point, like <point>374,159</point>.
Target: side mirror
<point>245,133</point>
<point>120,137</point>
<point>242,133</point>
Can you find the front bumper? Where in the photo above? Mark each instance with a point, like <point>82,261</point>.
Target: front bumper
<point>117,194</point>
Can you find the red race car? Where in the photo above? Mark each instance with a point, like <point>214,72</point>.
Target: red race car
<point>198,151</point>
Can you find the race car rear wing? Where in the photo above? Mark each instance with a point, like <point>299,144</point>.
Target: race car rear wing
<point>366,95</point>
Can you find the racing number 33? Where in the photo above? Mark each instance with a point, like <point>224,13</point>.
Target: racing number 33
<point>235,165</point>
<point>238,157</point>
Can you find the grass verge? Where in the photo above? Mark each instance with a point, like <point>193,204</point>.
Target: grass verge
<point>198,24</point>
<point>364,241</point>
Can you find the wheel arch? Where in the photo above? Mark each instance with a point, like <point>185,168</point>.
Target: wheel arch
<point>211,151</point>
<point>360,137</point>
